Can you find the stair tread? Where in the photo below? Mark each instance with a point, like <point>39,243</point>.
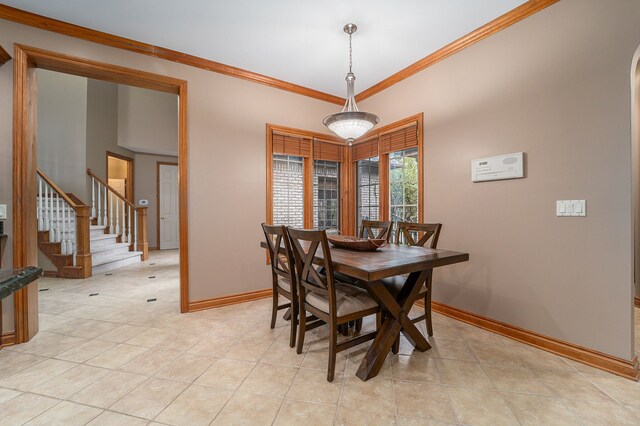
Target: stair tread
<point>117,258</point>
<point>103,237</point>
<point>97,227</point>
<point>109,247</point>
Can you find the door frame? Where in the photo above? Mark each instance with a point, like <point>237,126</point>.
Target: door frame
<point>25,248</point>
<point>130,173</point>
<point>158,164</point>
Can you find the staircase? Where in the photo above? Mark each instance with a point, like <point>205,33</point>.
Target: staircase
<point>83,240</point>
<point>107,253</point>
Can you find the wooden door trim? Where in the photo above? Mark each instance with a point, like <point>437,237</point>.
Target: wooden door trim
<point>4,56</point>
<point>130,172</point>
<point>158,164</point>
<point>26,61</point>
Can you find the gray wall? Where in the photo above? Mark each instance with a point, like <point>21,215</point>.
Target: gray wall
<point>556,86</point>
<point>226,121</point>
<point>62,129</point>
<point>145,187</point>
<point>102,128</point>
<point>147,121</point>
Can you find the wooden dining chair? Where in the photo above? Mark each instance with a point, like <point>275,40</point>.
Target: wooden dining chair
<point>283,276</point>
<point>328,300</point>
<point>423,235</point>
<point>376,229</point>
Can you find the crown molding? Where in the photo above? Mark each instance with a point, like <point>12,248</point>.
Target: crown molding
<point>42,22</point>
<point>49,24</point>
<point>500,23</point>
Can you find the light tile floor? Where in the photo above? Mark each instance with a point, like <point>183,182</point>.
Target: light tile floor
<point>118,359</point>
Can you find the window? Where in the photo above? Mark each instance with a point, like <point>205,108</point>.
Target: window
<point>368,190</point>
<point>326,194</point>
<point>403,185</point>
<point>304,179</point>
<point>288,190</point>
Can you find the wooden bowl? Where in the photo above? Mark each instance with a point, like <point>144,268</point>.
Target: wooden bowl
<point>356,243</point>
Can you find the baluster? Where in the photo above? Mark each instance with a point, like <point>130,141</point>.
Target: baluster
<point>105,220</point>
<point>52,231</point>
<point>46,207</point>
<point>100,220</point>
<point>74,246</point>
<point>63,238</point>
<point>93,197</point>
<point>40,218</point>
<point>117,216</point>
<point>70,229</point>
<point>110,211</point>
<point>129,224</point>
<point>57,234</point>
<point>135,230</point>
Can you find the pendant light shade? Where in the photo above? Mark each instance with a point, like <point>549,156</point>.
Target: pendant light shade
<point>351,123</point>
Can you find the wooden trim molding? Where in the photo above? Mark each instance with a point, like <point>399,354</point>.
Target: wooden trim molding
<point>8,339</point>
<point>636,302</point>
<point>4,56</point>
<point>500,23</point>
<point>629,369</point>
<point>44,23</point>
<point>230,300</point>
<point>26,61</point>
<point>49,24</point>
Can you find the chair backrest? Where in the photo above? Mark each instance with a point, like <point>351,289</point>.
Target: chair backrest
<point>282,264</point>
<point>375,229</point>
<point>426,232</point>
<point>305,246</point>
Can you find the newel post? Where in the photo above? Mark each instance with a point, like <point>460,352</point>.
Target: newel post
<point>143,244</point>
<point>83,255</point>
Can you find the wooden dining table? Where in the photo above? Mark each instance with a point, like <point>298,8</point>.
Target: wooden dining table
<point>370,268</point>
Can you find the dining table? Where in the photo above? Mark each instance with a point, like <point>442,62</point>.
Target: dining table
<point>370,268</point>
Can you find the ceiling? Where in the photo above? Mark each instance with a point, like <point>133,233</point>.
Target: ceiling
<point>298,41</point>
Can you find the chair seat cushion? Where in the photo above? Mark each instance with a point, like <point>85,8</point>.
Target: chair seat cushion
<point>395,284</point>
<point>284,284</point>
<point>349,299</point>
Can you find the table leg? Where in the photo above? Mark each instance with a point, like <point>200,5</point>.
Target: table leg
<point>396,321</point>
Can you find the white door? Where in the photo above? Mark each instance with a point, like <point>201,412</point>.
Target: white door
<point>169,235</point>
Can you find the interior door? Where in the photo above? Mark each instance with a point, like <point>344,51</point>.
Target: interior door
<point>168,206</point>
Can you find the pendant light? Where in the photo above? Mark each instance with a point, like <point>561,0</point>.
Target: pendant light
<point>350,123</point>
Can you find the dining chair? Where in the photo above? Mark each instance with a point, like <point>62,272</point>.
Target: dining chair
<point>283,276</point>
<point>417,234</point>
<point>328,300</point>
<point>376,229</point>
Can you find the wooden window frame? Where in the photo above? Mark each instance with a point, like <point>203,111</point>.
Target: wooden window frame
<point>383,172</point>
<point>308,171</point>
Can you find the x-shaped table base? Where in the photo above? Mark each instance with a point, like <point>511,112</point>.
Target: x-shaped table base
<point>397,320</point>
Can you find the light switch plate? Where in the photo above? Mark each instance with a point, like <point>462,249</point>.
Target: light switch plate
<point>3,212</point>
<point>572,208</point>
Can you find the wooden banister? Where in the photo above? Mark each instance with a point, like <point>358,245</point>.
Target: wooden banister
<point>74,205</point>
<point>111,188</point>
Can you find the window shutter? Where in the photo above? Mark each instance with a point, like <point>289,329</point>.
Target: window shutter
<point>291,145</point>
<point>366,149</point>
<point>327,151</point>
<point>400,139</point>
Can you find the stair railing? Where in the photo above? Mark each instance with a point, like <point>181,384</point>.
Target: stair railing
<point>66,220</point>
<point>109,208</point>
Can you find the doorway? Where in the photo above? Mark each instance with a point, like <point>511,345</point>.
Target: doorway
<point>168,193</point>
<point>25,248</point>
<point>120,174</point>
